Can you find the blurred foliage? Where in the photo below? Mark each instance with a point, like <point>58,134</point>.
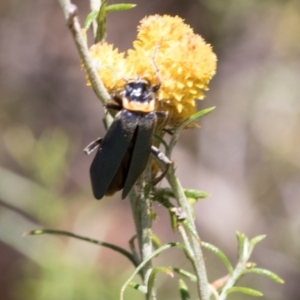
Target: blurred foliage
<point>45,166</point>
<point>39,193</point>
<point>63,278</point>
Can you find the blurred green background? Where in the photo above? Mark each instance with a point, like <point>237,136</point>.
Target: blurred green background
<point>246,153</point>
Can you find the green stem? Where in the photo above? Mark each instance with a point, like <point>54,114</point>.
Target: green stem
<point>143,263</point>
<point>141,210</point>
<point>237,272</point>
<point>194,242</point>
<point>70,12</point>
<point>147,242</point>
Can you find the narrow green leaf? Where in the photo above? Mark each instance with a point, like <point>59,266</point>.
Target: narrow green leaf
<point>89,19</point>
<point>186,274</point>
<point>244,290</point>
<point>155,240</point>
<point>119,7</point>
<point>152,277</point>
<point>101,22</point>
<point>257,239</point>
<point>185,123</point>
<point>83,238</point>
<point>134,252</point>
<point>241,243</point>
<point>199,114</point>
<point>164,200</point>
<point>138,287</point>
<point>193,196</point>
<point>110,8</point>
<point>220,254</point>
<point>184,291</point>
<point>253,242</point>
<point>161,197</point>
<point>189,193</point>
<point>174,221</point>
<point>149,258</point>
<point>192,201</point>
<point>196,194</point>
<point>240,237</point>
<point>266,273</point>
<point>164,193</point>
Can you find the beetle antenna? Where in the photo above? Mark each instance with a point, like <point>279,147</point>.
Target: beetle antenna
<point>157,73</point>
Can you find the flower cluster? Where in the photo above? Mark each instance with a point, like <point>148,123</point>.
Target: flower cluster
<point>185,62</point>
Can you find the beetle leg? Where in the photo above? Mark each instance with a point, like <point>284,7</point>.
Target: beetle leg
<point>162,114</point>
<point>92,146</point>
<point>169,131</point>
<point>164,159</point>
<point>162,119</point>
<point>116,104</point>
<point>161,156</point>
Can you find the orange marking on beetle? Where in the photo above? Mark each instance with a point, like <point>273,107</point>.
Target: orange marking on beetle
<point>138,106</point>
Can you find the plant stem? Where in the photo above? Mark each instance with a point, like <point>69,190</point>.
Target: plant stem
<point>237,272</point>
<point>141,210</point>
<point>194,242</point>
<point>70,12</point>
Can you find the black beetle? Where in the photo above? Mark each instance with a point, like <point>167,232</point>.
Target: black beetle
<point>124,151</point>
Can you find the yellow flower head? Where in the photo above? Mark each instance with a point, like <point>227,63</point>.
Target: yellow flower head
<point>110,64</point>
<point>185,62</point>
